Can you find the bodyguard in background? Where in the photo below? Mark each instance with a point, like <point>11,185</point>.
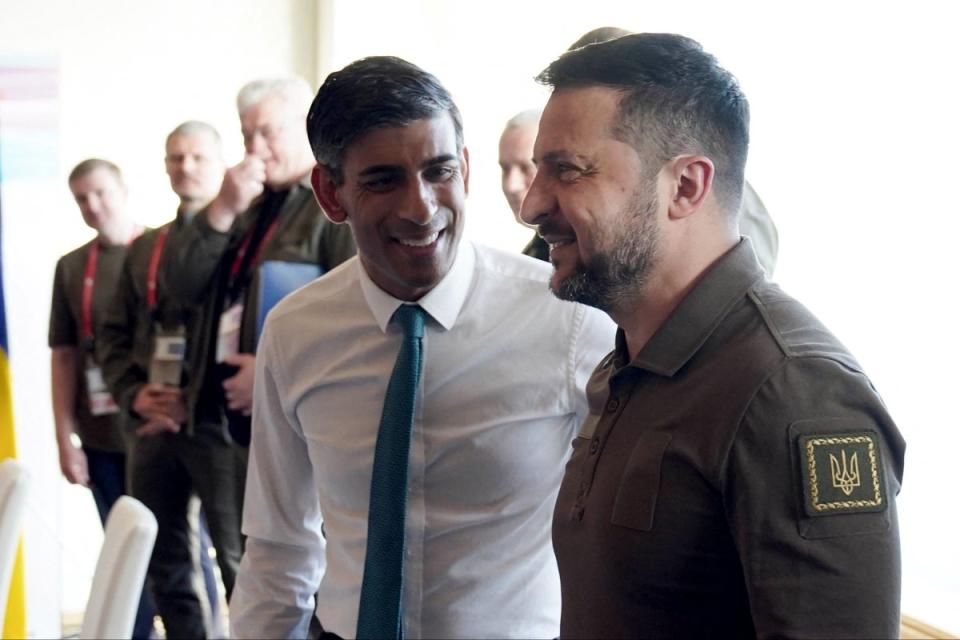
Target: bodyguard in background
<point>517,170</point>
<point>265,210</point>
<point>142,347</point>
<point>83,285</point>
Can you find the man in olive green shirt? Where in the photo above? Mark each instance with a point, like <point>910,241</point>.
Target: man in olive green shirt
<point>736,475</point>
<point>142,349</point>
<point>83,286</point>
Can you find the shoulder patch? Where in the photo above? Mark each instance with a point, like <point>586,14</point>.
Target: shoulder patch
<point>840,473</point>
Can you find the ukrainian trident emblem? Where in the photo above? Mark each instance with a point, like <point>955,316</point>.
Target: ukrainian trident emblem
<point>844,476</point>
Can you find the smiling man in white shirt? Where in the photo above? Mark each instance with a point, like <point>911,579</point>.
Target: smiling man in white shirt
<point>499,398</point>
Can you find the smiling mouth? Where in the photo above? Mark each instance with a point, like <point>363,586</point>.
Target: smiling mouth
<point>420,242</point>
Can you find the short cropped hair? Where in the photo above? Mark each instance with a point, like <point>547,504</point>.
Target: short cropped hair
<point>195,127</point>
<point>293,89</point>
<point>677,100</point>
<point>527,118</point>
<point>600,34</point>
<point>90,165</point>
<point>373,93</point>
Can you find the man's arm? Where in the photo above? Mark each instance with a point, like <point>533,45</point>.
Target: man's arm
<point>824,562</point>
<point>154,407</point>
<point>192,255</point>
<point>284,557</point>
<point>64,362</point>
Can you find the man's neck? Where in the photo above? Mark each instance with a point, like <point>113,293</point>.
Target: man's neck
<point>122,233</point>
<point>641,316</point>
<point>283,185</point>
<point>190,206</point>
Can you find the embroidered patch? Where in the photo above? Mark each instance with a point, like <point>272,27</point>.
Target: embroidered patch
<point>841,474</point>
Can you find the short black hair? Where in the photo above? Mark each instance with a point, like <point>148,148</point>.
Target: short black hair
<point>677,99</point>
<point>373,93</point>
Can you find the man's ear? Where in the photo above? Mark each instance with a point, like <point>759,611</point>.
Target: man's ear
<point>466,171</point>
<point>325,190</point>
<point>692,178</point>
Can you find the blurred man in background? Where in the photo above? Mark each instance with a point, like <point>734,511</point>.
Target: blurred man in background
<point>142,350</point>
<point>83,286</point>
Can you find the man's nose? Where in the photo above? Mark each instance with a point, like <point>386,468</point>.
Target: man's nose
<point>421,203</point>
<point>537,204</point>
<point>513,181</point>
<point>256,145</point>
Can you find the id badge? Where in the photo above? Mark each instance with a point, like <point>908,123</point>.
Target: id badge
<point>166,364</point>
<point>228,335</point>
<point>100,400</point>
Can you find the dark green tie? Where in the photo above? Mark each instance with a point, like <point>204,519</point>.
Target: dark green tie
<point>380,596</point>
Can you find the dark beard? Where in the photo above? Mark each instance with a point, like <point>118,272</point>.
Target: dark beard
<point>609,279</point>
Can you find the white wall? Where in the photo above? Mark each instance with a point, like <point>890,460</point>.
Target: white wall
<point>854,142</point>
<point>130,72</point>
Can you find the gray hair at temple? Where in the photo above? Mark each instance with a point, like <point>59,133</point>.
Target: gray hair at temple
<point>373,93</point>
<point>90,165</point>
<point>523,119</point>
<point>293,89</point>
<point>193,128</point>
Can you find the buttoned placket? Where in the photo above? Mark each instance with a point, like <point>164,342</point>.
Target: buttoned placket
<point>620,387</point>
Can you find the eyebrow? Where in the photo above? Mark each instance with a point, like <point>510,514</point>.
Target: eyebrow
<point>392,168</point>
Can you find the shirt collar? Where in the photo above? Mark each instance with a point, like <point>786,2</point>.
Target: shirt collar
<point>443,303</point>
<point>699,313</point>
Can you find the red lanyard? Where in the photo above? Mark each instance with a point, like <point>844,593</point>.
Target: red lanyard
<point>245,245</point>
<point>89,279</point>
<point>155,266</point>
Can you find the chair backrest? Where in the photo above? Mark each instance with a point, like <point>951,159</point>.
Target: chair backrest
<point>14,485</point>
<point>118,580</point>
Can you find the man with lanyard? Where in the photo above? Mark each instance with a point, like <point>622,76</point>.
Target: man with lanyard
<point>216,260</point>
<point>407,448</point>
<point>83,286</point>
<point>142,348</point>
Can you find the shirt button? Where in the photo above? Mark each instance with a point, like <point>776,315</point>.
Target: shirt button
<point>613,405</point>
<point>594,445</point>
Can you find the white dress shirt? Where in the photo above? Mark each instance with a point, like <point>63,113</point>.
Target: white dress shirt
<point>500,398</point>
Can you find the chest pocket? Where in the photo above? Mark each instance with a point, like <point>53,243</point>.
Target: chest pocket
<point>636,501</point>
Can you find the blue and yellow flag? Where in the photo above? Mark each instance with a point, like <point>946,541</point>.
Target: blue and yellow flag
<point>15,621</point>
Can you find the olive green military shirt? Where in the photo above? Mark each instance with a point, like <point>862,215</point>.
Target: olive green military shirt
<point>98,432</point>
<point>126,341</point>
<point>737,478</point>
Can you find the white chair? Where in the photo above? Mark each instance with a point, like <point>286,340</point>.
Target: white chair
<point>121,568</point>
<point>14,485</point>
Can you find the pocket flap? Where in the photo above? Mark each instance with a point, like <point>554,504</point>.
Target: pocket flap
<point>636,500</point>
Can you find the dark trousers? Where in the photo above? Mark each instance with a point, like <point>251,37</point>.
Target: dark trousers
<point>165,472</point>
<point>107,481</point>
